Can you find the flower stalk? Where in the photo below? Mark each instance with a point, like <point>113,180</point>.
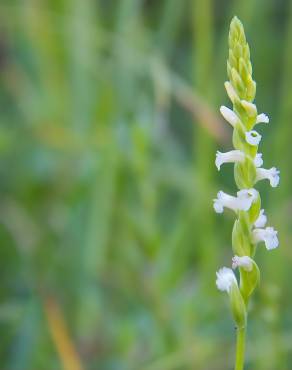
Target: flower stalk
<point>249,227</point>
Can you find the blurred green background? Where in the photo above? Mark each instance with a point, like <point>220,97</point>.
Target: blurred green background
<point>109,127</point>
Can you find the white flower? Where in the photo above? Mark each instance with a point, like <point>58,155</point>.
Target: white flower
<point>225,279</point>
<point>230,91</point>
<point>245,194</point>
<point>258,161</point>
<point>242,202</point>
<point>272,175</point>
<point>252,137</point>
<point>245,262</point>
<point>268,235</point>
<point>229,115</point>
<point>261,220</point>
<point>228,157</point>
<point>262,118</point>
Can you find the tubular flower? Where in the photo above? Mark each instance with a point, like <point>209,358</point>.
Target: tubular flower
<point>267,235</point>
<point>245,262</point>
<point>229,157</point>
<point>242,202</point>
<point>271,174</point>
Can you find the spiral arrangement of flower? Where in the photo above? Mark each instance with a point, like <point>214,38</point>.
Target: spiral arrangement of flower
<point>249,228</point>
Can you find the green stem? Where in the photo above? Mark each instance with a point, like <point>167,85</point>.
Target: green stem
<point>240,349</point>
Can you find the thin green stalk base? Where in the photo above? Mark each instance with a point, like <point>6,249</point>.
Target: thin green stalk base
<point>240,349</point>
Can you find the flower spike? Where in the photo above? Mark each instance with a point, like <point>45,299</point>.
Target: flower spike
<point>249,227</point>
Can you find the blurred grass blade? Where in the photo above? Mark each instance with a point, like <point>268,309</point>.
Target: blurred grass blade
<point>68,355</point>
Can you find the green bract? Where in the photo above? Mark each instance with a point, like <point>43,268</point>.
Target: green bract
<point>237,306</point>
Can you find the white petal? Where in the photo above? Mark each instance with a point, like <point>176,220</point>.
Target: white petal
<point>261,220</point>
<point>258,161</point>
<point>229,115</point>
<point>218,207</point>
<point>245,262</point>
<point>262,118</point>
<point>252,137</point>
<point>225,279</point>
<point>268,235</point>
<point>229,157</point>
<point>271,174</point>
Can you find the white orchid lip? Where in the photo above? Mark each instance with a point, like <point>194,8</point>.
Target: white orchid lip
<point>261,220</point>
<point>232,156</point>
<point>225,279</point>
<point>245,262</point>
<point>229,115</point>
<point>242,202</point>
<point>267,235</point>
<point>271,174</point>
<point>258,160</point>
<point>262,118</point>
<point>253,137</point>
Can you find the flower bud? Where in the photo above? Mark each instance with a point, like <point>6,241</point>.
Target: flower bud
<point>237,82</point>
<point>231,91</point>
<point>229,115</point>
<point>250,108</point>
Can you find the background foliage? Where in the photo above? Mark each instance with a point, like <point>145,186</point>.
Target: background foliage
<point>109,126</point>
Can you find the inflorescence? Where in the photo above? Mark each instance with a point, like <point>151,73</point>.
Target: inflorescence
<point>249,227</point>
